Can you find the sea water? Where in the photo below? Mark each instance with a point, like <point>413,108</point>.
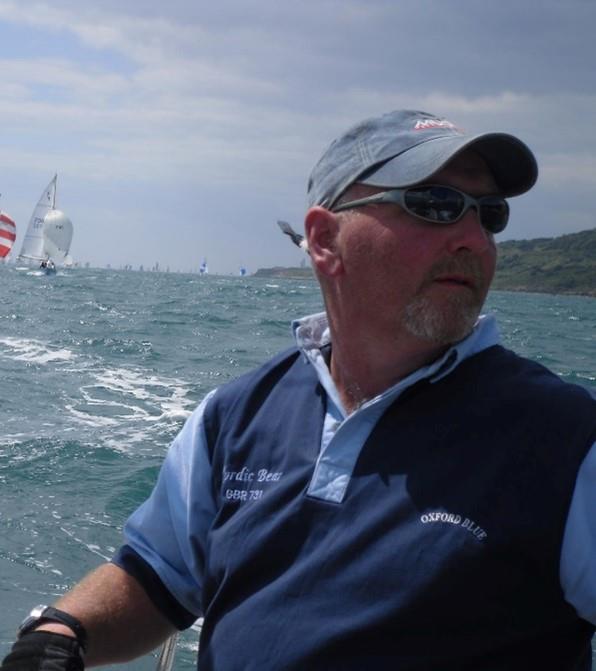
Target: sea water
<point>100,368</point>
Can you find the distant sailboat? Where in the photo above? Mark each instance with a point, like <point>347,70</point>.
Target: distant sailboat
<point>242,271</point>
<point>203,269</point>
<point>49,233</point>
<point>8,234</point>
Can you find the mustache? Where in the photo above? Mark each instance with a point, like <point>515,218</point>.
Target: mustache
<point>464,265</point>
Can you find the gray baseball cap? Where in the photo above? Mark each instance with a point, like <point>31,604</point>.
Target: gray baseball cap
<point>407,147</point>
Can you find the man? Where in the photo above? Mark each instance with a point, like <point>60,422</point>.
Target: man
<point>399,490</point>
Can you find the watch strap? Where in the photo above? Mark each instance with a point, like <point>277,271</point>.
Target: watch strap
<point>43,614</point>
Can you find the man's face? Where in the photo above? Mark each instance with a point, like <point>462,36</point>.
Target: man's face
<point>410,277</point>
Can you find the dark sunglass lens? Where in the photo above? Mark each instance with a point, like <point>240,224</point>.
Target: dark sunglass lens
<point>494,214</point>
<point>434,203</point>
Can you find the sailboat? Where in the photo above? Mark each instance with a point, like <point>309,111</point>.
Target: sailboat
<point>8,234</point>
<point>204,270</point>
<point>49,234</point>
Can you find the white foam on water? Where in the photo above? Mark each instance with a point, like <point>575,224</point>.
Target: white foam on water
<point>189,646</point>
<point>176,410</point>
<point>93,421</point>
<point>131,404</point>
<point>95,305</point>
<point>127,439</point>
<point>162,391</point>
<point>34,351</point>
<point>11,439</point>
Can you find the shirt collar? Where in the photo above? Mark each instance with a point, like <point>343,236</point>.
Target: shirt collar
<point>312,335</point>
<point>312,331</point>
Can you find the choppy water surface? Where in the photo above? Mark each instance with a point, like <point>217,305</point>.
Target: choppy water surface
<point>99,370</point>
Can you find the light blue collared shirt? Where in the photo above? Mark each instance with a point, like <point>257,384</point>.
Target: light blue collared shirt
<point>184,483</point>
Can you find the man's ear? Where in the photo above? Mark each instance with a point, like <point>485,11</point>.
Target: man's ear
<point>322,228</point>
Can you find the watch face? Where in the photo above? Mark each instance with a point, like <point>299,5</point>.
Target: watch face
<point>33,616</point>
<point>42,614</point>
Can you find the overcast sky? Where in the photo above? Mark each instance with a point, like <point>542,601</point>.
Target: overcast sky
<point>184,129</point>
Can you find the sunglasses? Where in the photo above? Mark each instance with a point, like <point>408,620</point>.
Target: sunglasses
<point>440,205</point>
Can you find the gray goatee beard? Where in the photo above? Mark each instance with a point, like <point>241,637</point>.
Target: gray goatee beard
<point>452,320</point>
<point>441,325</point>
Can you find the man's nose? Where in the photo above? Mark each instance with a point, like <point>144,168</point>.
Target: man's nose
<point>469,233</point>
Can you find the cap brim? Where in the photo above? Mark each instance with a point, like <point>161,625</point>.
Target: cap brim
<point>511,162</point>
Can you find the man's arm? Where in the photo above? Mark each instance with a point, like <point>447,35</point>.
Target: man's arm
<point>112,604</point>
<point>121,621</point>
<point>578,553</point>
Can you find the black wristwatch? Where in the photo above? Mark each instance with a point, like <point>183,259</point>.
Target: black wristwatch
<point>49,614</point>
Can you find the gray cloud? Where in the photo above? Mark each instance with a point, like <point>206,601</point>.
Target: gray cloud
<point>213,113</point>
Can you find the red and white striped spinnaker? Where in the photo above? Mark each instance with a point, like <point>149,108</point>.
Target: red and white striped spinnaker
<point>8,234</point>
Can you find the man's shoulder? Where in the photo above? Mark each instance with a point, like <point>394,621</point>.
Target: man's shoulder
<point>528,378</point>
<point>277,364</point>
<point>277,394</point>
<point>258,380</point>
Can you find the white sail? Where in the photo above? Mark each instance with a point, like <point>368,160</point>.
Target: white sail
<point>57,233</point>
<point>49,233</point>
<point>33,243</point>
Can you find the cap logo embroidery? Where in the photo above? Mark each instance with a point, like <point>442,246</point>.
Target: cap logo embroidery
<point>426,124</point>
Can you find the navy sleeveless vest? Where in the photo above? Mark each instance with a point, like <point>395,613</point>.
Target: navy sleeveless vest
<point>444,554</point>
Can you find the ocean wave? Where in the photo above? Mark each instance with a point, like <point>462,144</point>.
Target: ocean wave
<point>34,351</point>
<point>132,405</point>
